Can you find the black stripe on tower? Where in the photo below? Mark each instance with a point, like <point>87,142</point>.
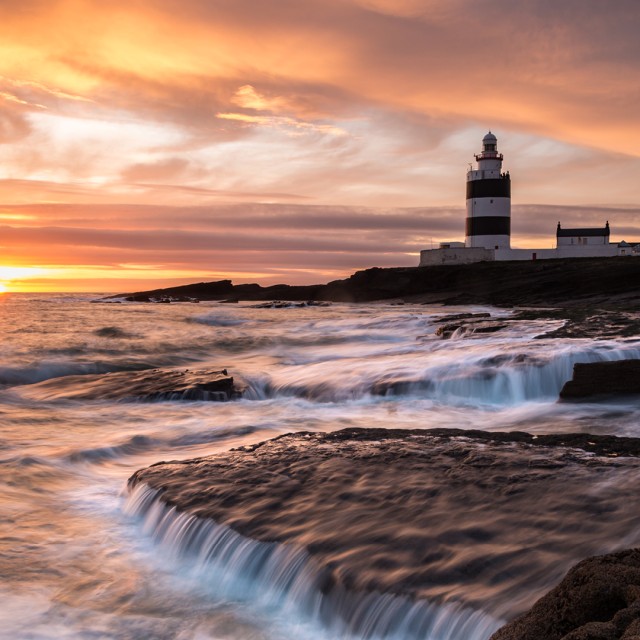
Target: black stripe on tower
<point>489,188</point>
<point>489,226</point>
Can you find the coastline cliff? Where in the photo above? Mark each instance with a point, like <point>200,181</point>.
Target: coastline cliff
<point>599,282</point>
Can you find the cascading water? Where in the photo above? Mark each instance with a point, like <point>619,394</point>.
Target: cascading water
<point>497,377</point>
<point>285,577</point>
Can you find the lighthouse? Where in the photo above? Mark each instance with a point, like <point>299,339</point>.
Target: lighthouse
<point>488,200</point>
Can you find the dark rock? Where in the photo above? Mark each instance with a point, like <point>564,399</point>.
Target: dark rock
<point>138,297</point>
<point>470,327</point>
<point>486,327</point>
<point>598,599</point>
<point>462,316</point>
<point>585,322</point>
<point>112,332</point>
<point>148,385</point>
<point>587,282</point>
<point>621,377</point>
<point>447,330</point>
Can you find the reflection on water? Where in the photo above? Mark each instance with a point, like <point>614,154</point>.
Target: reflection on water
<point>73,565</point>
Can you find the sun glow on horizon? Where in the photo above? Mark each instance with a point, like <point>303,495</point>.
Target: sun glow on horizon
<point>9,275</point>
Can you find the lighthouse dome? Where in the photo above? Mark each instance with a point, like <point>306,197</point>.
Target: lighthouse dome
<point>490,143</point>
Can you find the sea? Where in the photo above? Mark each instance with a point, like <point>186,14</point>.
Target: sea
<point>77,561</point>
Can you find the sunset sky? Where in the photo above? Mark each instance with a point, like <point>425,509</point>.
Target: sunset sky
<point>156,142</point>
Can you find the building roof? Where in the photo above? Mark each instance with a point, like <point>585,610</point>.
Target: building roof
<point>570,233</point>
<point>585,232</point>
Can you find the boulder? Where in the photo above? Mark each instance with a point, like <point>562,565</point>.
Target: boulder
<point>621,377</point>
<point>599,599</point>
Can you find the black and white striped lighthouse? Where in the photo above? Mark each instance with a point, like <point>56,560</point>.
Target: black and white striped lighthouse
<point>488,200</point>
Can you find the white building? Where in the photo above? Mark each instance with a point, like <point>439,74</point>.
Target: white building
<point>488,223</point>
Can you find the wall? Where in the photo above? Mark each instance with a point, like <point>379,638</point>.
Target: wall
<point>586,240</point>
<point>565,251</point>
<point>430,257</point>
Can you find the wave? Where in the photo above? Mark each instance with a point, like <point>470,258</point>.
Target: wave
<point>48,369</point>
<point>286,577</point>
<point>43,370</point>
<point>217,320</point>
<point>139,444</point>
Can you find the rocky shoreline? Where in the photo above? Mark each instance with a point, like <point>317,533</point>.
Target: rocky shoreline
<point>604,283</point>
<point>379,510</point>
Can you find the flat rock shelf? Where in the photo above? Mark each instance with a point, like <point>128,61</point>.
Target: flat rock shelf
<point>479,524</point>
<point>143,386</point>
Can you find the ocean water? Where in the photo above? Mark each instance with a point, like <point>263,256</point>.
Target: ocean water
<point>77,561</point>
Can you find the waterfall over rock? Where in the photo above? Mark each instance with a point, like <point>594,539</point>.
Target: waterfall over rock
<point>286,577</point>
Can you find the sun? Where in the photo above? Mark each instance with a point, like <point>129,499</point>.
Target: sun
<point>12,278</point>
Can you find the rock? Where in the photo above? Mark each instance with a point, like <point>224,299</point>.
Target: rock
<point>468,328</point>
<point>589,282</point>
<point>599,599</point>
<point>462,316</point>
<point>590,380</point>
<point>447,330</point>
<point>441,514</point>
<point>138,297</point>
<point>487,327</point>
<point>286,304</point>
<point>585,322</point>
<point>148,385</point>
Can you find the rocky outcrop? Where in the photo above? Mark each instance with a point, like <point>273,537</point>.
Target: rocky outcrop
<point>598,600</point>
<point>591,380</point>
<point>431,515</point>
<point>147,385</point>
<point>585,322</point>
<point>593,282</point>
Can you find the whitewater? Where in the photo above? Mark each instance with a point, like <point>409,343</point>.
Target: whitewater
<point>81,558</point>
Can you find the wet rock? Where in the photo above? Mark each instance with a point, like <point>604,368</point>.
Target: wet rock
<point>447,330</point>
<point>462,316</point>
<point>599,599</point>
<point>594,379</point>
<point>112,332</point>
<point>148,385</point>
<point>468,328</point>
<point>138,297</point>
<point>443,507</point>
<point>585,322</point>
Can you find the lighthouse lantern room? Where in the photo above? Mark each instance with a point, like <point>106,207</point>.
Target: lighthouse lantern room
<point>488,222</point>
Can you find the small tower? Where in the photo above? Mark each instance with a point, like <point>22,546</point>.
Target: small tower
<point>488,200</point>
